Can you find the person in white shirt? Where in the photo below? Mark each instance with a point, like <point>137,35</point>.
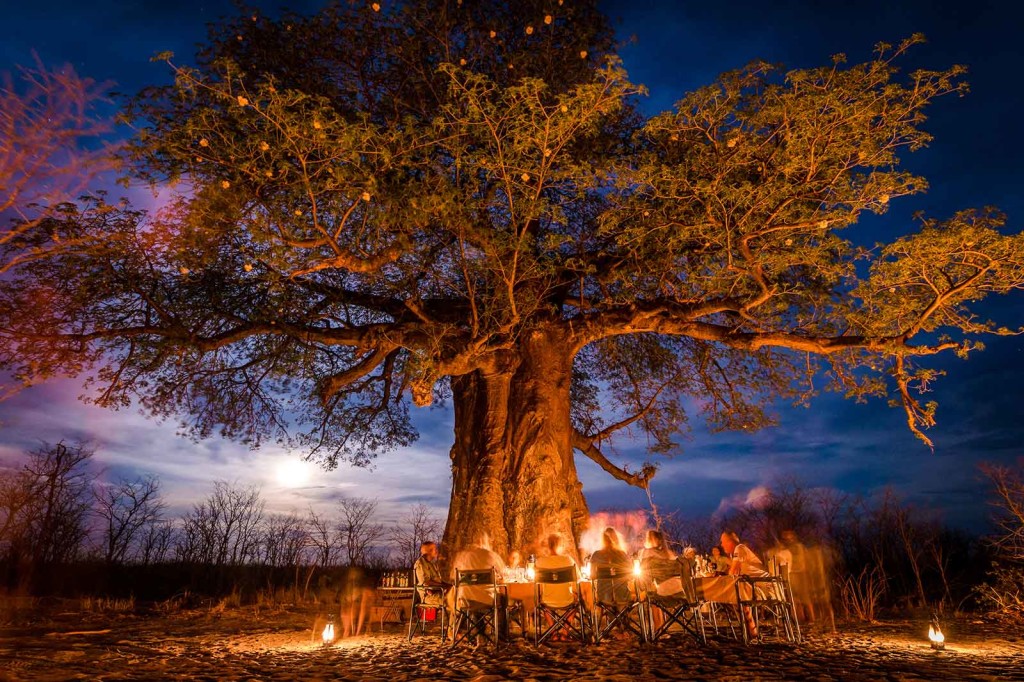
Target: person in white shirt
<point>744,562</point>
<point>478,557</point>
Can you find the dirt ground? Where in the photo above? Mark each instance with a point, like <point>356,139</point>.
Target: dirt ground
<point>247,644</point>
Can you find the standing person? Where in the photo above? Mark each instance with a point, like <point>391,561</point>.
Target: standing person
<point>798,575</point>
<point>356,596</point>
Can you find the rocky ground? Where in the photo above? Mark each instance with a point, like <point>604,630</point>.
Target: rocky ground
<point>246,644</point>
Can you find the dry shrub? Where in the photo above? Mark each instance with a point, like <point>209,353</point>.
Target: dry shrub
<point>861,595</point>
<point>106,605</point>
<point>231,601</point>
<point>175,603</point>
<point>1004,596</point>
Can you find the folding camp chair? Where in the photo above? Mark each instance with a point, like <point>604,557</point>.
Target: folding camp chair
<point>476,604</point>
<point>769,600</point>
<point>616,602</point>
<point>675,599</point>
<point>557,595</point>
<point>428,605</point>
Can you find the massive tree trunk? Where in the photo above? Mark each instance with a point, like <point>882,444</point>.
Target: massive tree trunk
<point>514,478</point>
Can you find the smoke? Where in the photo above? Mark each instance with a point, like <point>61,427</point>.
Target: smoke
<point>755,498</point>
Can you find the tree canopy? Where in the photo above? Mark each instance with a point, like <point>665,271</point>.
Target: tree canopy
<point>374,201</point>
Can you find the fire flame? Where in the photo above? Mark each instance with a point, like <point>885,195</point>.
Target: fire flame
<point>935,635</point>
<point>328,634</point>
<point>629,524</point>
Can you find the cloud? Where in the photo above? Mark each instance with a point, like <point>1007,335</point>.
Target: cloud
<point>129,443</point>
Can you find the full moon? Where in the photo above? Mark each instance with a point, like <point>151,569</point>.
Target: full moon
<point>292,473</point>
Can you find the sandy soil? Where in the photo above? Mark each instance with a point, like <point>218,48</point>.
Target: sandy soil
<point>244,645</point>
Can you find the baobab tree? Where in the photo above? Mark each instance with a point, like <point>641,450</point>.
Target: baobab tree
<point>460,201</point>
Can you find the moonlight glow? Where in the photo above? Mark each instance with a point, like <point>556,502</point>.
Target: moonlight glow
<point>292,473</point>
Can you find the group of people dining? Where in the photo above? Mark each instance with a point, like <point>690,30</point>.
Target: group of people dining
<point>657,563</point>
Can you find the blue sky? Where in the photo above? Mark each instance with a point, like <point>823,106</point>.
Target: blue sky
<point>975,160</point>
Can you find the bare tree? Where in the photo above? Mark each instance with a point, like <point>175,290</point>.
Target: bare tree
<point>284,538</point>
<point>788,505</point>
<point>1008,486</point>
<point>126,509</point>
<point>416,527</point>
<point>44,510</point>
<point>63,479</point>
<point>701,532</point>
<point>1004,593</point>
<point>356,531</point>
<point>914,544</point>
<point>221,530</point>
<point>155,542</point>
<point>323,539</point>
<point>18,494</point>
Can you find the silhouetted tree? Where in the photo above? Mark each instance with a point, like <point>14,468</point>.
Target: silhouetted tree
<point>127,509</point>
<point>357,531</point>
<point>222,530</point>
<point>417,526</point>
<point>323,537</point>
<point>44,512</point>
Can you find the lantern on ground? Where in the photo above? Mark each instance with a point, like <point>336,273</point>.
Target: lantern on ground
<point>328,633</point>
<point>935,635</point>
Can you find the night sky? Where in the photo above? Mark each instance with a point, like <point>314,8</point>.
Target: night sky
<point>974,161</point>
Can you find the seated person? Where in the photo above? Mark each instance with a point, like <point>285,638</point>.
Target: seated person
<point>477,557</point>
<point>660,568</point>
<point>612,555</point>
<point>428,575</point>
<point>478,597</point>
<point>557,596</point>
<point>743,559</point>
<point>719,562</point>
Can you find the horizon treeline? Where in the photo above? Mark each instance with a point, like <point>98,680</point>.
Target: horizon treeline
<point>66,532</point>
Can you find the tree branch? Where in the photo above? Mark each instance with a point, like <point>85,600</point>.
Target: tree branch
<point>585,444</point>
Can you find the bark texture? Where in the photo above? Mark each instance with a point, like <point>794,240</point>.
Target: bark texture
<point>514,477</point>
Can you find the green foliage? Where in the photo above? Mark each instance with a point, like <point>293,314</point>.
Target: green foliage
<point>367,207</point>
